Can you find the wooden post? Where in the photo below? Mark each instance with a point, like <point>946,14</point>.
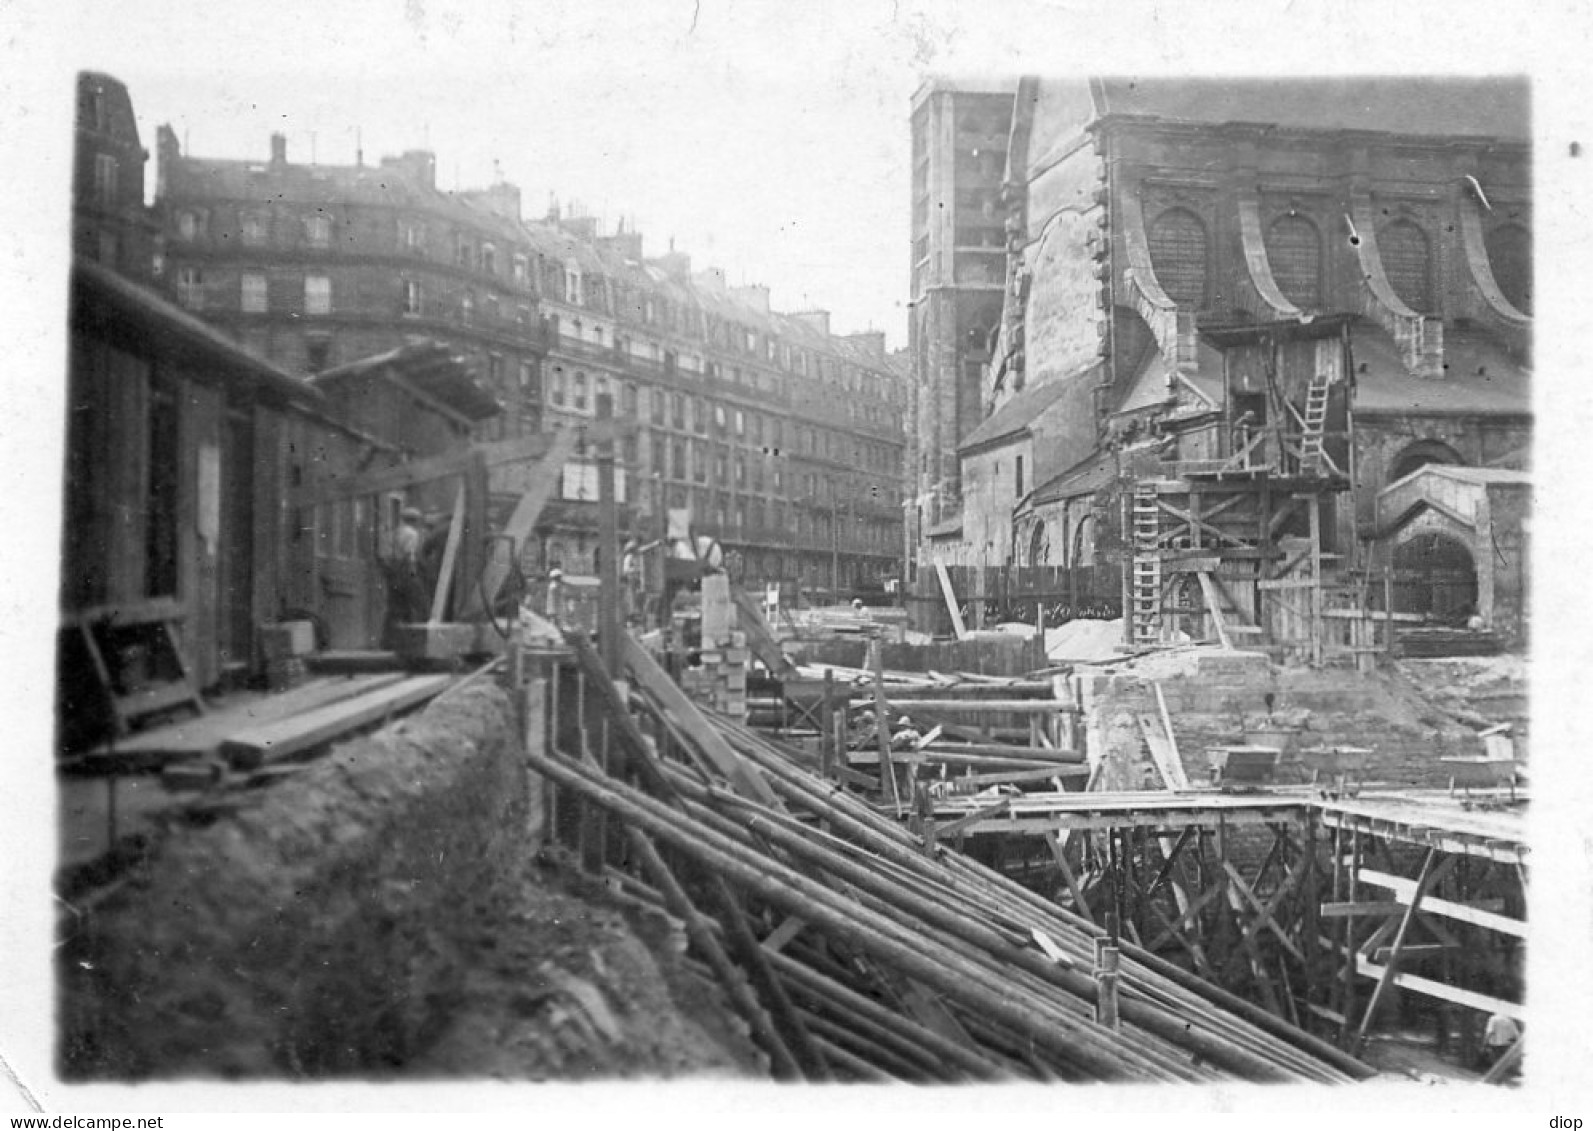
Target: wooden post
<point>608,617</point>
<point>882,729</point>
<point>1347,974</point>
<point>1108,963</point>
<point>473,548</point>
<point>445,574</point>
<point>828,755</point>
<point>1388,609</point>
<point>1316,579</point>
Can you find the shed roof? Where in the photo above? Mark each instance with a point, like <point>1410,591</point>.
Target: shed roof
<point>430,367</point>
<point>98,291</point>
<point>1481,379</point>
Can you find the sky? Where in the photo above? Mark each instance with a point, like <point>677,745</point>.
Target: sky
<point>770,139</point>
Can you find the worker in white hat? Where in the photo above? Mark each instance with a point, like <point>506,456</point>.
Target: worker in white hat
<point>906,735</point>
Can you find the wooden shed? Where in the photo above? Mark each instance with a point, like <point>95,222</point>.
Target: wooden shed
<point>182,531</point>
<point>170,529</point>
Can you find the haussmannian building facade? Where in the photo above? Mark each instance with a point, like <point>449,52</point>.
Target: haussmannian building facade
<point>785,441</point>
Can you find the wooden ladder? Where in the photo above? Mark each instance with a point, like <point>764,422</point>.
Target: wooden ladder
<point>1312,423</point>
<point>1147,566</point>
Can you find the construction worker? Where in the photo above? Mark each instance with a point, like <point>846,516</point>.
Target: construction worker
<point>1500,1034</point>
<point>555,594</point>
<point>406,595</point>
<point>905,736</point>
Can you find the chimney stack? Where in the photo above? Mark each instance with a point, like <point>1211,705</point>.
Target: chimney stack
<point>279,150</point>
<point>754,295</point>
<point>816,319</point>
<point>871,340</point>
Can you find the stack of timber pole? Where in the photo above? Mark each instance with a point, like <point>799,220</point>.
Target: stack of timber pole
<point>856,951</point>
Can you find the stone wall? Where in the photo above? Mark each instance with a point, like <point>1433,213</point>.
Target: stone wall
<point>1223,700</point>
<point>310,928</point>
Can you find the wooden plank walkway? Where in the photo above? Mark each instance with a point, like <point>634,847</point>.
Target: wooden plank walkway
<point>1431,818</point>
<point>202,736</point>
<point>1436,820</point>
<point>286,737</point>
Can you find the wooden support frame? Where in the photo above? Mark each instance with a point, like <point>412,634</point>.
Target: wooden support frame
<point>1387,974</point>
<point>445,574</point>
<point>520,525</point>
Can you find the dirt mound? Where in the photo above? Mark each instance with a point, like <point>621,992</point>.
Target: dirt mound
<point>567,982</point>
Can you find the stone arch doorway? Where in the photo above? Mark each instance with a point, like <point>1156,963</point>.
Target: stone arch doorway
<point>1435,576</point>
<point>1419,455</point>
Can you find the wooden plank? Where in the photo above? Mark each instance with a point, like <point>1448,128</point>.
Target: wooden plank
<point>961,706</point>
<point>1325,1013</point>
<point>544,479</point>
<point>1441,990</point>
<point>962,824</point>
<point>760,638</point>
<point>999,750</point>
<point>1161,752</point>
<point>1346,910</point>
<point>1404,891</point>
<point>1013,776</point>
<point>445,574</point>
<point>203,734</point>
<point>1214,606</point>
<point>682,713</point>
<point>249,748</point>
<point>419,471</point>
<point>789,928</point>
<point>957,625</point>
<point>1412,950</point>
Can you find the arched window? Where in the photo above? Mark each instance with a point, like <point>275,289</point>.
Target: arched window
<point>1403,246</point>
<point>1178,255</point>
<point>1510,256</point>
<point>1040,546</point>
<point>1294,249</point>
<point>1419,455</point>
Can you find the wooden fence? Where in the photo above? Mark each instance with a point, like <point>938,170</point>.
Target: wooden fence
<point>1016,593</point>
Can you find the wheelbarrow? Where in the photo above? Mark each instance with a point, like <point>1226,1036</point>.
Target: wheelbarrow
<point>1242,769</point>
<point>1480,772</point>
<point>1339,765</point>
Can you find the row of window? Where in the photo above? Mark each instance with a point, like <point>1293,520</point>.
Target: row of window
<point>578,393</point>
<point>558,281</point>
<point>728,517</point>
<point>1179,248</point>
<point>254,296</point>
